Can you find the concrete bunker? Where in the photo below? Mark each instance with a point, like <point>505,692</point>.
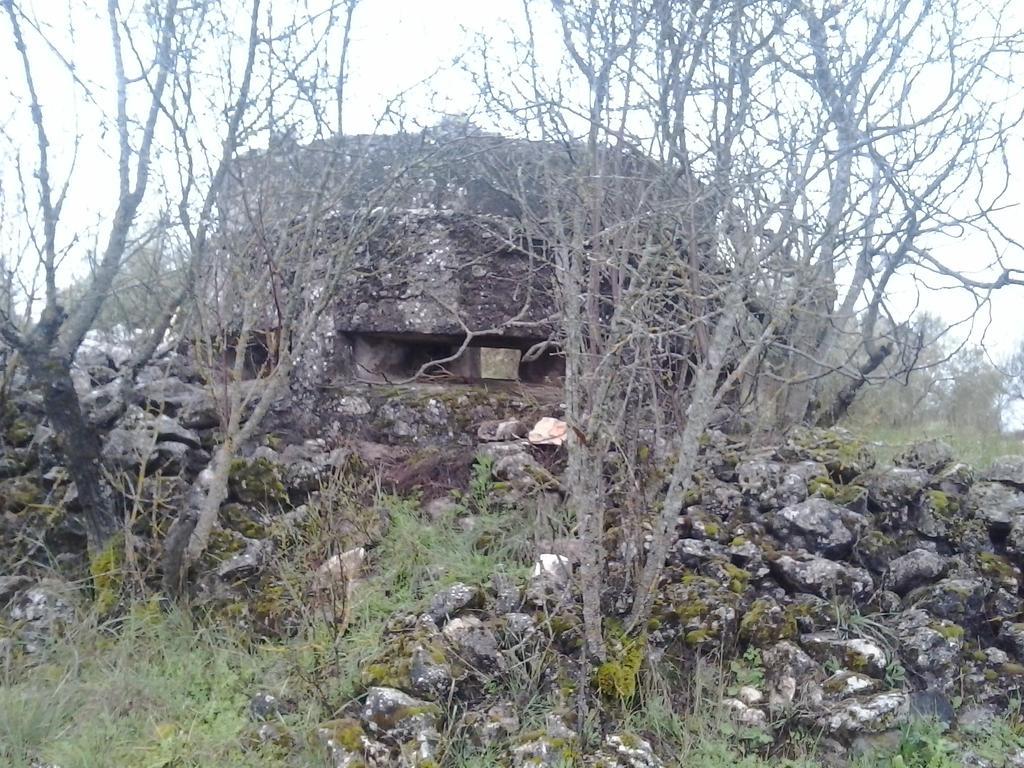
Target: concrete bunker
<point>403,357</point>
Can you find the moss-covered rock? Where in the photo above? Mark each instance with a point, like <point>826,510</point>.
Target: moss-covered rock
<point>822,486</point>
<point>19,494</point>
<point>999,570</point>
<point>20,433</point>
<point>876,550</point>
<point>224,544</point>
<point>766,622</point>
<point>257,481</point>
<point>617,678</point>
<point>246,520</point>
<point>701,604</point>
<point>843,454</point>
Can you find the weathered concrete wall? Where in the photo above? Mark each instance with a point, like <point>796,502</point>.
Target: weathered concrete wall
<point>441,273</point>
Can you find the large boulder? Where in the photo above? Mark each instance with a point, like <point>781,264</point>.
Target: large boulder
<point>818,526</point>
<point>915,569</point>
<point>929,455</point>
<point>959,600</point>
<point>1006,469</point>
<point>775,484</point>
<point>820,576</point>
<point>891,490</point>
<point>996,504</point>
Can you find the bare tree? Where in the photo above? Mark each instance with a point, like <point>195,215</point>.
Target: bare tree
<point>49,344</point>
<point>155,71</point>
<point>735,186</point>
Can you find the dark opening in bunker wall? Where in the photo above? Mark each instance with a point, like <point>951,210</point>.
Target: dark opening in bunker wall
<point>396,358</point>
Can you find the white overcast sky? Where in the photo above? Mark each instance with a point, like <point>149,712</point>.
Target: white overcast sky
<point>395,44</point>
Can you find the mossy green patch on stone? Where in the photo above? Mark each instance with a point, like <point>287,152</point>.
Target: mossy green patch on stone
<point>697,637</point>
<point>996,567</point>
<point>846,495</point>
<point>224,544</point>
<point>107,571</point>
<point>618,677</point>
<point>952,632</point>
<point>346,733</point>
<point>256,481</point>
<point>738,578</point>
<point>942,504</point>
<point>19,433</point>
<point>765,623</point>
<point>19,494</point>
<point>822,486</point>
<point>243,519</point>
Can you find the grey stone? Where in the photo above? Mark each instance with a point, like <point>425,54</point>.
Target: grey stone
<point>955,479</point>
<point>868,714</point>
<point>774,483</point>
<point>170,431</point>
<point>792,678</point>
<point>863,655</point>
<point>891,490</point>
<point>518,627</point>
<point>627,751</point>
<point>502,431</point>
<point>246,563</point>
<point>845,683</point>
<point>1011,636</point>
<point>398,715</point>
<point>428,676</point>
<point>915,569</point>
<point>475,644</point>
<point>998,505</point>
<point>353,405</point>
<point>492,727</point>
<point>820,576</point>
<point>550,578</point>
<point>693,553</point>
<point>817,525</point>
<point>929,455</point>
<point>190,404</point>
<point>933,706</point>
<point>957,599</point>
<point>41,612</point>
<point>1006,469</point>
<point>449,602</point>
<point>505,595</point>
<point>9,586</point>
<point>930,648</point>
<point>546,748</point>
<point>338,737</point>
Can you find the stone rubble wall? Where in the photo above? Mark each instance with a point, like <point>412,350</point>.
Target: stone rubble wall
<point>862,595</point>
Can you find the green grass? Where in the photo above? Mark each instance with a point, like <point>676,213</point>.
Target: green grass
<point>155,692</point>
<point>975,448</point>
<point>159,690</point>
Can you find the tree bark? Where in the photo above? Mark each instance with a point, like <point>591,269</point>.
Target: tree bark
<point>80,444</point>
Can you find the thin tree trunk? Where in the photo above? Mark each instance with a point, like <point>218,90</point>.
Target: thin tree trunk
<point>704,400</point>
<point>80,444</point>
<point>587,507</point>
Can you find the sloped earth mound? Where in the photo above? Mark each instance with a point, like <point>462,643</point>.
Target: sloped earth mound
<point>816,606</point>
